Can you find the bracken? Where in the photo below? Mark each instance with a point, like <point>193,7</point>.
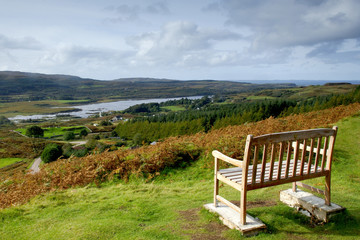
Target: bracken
<point>149,161</point>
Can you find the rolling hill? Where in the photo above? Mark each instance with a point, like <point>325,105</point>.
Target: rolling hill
<point>23,86</point>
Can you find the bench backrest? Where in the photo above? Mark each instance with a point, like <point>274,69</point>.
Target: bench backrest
<point>279,157</point>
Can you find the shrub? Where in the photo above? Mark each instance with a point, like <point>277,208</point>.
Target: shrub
<point>83,133</point>
<point>67,150</point>
<point>69,136</point>
<point>105,123</point>
<point>91,144</point>
<point>5,122</point>
<point>34,131</point>
<point>80,152</point>
<point>51,153</point>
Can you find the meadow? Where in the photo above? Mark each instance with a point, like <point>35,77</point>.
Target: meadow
<point>7,161</point>
<point>50,132</point>
<point>103,197</point>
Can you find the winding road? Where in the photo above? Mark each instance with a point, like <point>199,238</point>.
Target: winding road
<point>35,166</point>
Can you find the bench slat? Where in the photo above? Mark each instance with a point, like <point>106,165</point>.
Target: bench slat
<point>293,136</point>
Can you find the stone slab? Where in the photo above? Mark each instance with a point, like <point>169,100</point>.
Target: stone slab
<point>312,204</point>
<point>231,218</point>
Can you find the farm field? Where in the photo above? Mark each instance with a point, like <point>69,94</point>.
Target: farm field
<point>169,206</point>
<point>7,161</point>
<point>56,131</point>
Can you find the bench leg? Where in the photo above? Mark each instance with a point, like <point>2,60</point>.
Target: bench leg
<point>216,181</point>
<point>327,189</point>
<point>294,187</point>
<point>243,208</point>
<point>216,190</point>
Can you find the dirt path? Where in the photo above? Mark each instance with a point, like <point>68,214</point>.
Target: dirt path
<point>78,143</point>
<point>35,167</point>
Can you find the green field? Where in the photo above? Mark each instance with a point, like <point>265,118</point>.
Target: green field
<point>55,131</point>
<point>170,207</point>
<point>7,161</point>
<point>174,108</point>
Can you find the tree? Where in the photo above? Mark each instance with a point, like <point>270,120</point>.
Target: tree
<point>5,122</point>
<point>83,133</point>
<point>34,131</point>
<point>51,153</point>
<point>69,136</point>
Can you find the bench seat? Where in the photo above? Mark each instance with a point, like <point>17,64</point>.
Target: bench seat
<point>235,175</point>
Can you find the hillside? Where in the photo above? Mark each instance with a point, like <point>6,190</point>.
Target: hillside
<point>21,86</point>
<point>165,202</point>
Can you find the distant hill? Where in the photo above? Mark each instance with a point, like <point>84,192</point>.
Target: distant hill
<point>23,86</point>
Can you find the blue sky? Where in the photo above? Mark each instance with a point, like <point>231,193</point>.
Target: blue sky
<point>207,39</point>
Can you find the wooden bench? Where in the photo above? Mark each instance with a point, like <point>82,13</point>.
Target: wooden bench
<point>275,159</point>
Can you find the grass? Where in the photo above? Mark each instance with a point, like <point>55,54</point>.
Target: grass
<point>55,131</point>
<point>169,206</point>
<point>7,161</point>
<point>260,98</point>
<point>72,102</point>
<point>174,108</point>
<point>33,107</point>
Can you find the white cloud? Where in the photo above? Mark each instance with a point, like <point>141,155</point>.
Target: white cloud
<point>286,23</point>
<point>134,12</point>
<point>25,43</point>
<point>177,42</point>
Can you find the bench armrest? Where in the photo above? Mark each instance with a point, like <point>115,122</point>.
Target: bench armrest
<point>228,159</point>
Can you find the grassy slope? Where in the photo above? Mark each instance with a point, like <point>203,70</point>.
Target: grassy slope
<point>139,210</point>
<point>7,161</point>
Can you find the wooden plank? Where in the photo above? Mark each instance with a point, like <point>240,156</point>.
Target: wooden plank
<point>247,154</point>
<point>231,183</point>
<point>281,153</point>
<point>228,159</point>
<point>288,156</point>
<point>317,153</point>
<point>216,181</point>
<point>310,155</point>
<point>293,136</point>
<point>331,149</point>
<point>256,152</point>
<point>296,155</point>
<point>301,146</point>
<point>285,180</point>
<point>311,188</point>
<point>272,162</point>
<point>323,159</point>
<point>263,162</point>
<point>230,170</point>
<point>228,203</point>
<point>303,154</point>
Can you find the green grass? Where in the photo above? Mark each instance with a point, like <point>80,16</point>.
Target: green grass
<point>260,98</point>
<point>174,108</point>
<point>140,210</point>
<point>72,101</point>
<point>7,161</point>
<point>54,131</point>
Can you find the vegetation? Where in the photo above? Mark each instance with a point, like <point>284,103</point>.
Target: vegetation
<point>34,131</point>
<point>4,122</point>
<point>204,115</point>
<point>54,132</point>
<point>19,86</point>
<point>150,161</point>
<point>69,136</point>
<point>167,205</point>
<point>8,161</point>
<point>148,191</point>
<point>51,153</point>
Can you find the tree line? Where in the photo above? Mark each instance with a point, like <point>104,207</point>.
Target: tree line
<point>204,115</point>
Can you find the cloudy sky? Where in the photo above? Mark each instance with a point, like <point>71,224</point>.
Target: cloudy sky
<point>187,39</point>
